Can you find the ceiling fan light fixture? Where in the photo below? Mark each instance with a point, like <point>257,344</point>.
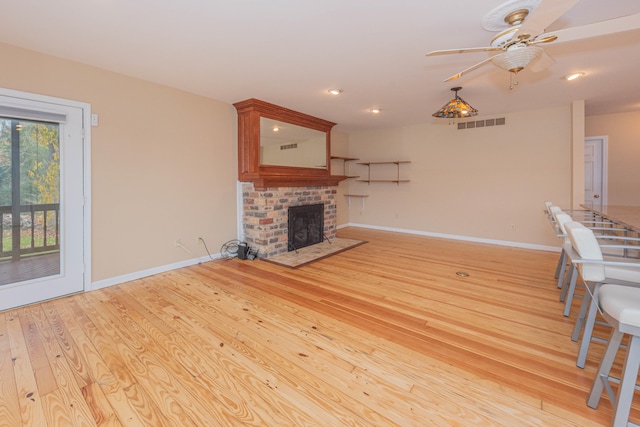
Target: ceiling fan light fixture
<point>457,108</point>
<point>517,57</point>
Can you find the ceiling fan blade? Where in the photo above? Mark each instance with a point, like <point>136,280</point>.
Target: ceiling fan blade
<point>544,62</point>
<point>463,50</point>
<point>473,67</point>
<point>547,12</point>
<point>602,28</point>
<point>543,39</point>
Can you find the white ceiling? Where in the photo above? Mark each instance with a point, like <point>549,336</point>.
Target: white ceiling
<point>289,52</point>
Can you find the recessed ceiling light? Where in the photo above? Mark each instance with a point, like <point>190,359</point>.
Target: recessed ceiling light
<point>573,76</point>
<point>335,91</point>
<point>375,110</point>
<point>276,129</point>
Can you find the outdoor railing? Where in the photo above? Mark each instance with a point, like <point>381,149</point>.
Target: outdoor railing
<point>38,230</point>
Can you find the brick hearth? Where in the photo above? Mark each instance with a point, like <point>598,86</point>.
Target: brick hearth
<point>265,214</point>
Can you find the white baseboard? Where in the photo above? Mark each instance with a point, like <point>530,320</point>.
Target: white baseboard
<point>456,237</point>
<point>163,268</point>
<point>150,272</point>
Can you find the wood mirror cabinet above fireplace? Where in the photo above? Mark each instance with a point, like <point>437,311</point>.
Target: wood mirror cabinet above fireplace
<point>259,160</point>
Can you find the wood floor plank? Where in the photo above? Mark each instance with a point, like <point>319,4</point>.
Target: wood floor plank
<point>67,401</point>
<point>30,401</point>
<point>73,355</point>
<point>57,410</point>
<point>131,404</point>
<point>9,402</point>
<point>39,361</point>
<point>106,347</point>
<point>98,404</point>
<point>97,369</point>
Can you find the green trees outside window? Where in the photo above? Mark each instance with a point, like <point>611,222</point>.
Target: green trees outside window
<point>29,185</point>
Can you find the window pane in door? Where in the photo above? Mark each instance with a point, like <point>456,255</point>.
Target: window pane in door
<point>29,199</point>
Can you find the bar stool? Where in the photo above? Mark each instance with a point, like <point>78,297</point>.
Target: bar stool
<point>620,306</point>
<point>586,255</point>
<point>586,217</point>
<point>577,214</point>
<point>568,277</point>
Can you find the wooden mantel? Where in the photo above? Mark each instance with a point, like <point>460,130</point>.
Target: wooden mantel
<point>265,176</point>
<point>268,181</point>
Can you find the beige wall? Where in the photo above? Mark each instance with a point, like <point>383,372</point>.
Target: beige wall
<point>623,132</point>
<point>163,162</point>
<point>340,147</point>
<point>475,183</point>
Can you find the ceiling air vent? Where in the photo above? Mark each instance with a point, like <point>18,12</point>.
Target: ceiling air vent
<point>288,146</point>
<point>473,124</point>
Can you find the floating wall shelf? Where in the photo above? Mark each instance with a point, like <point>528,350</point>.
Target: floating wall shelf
<point>345,160</point>
<point>397,163</point>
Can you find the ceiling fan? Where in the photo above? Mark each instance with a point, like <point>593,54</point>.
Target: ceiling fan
<point>522,25</point>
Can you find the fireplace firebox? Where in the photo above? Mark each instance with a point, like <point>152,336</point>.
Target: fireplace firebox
<point>306,225</point>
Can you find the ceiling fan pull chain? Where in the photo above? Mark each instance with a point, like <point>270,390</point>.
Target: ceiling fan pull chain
<point>513,83</point>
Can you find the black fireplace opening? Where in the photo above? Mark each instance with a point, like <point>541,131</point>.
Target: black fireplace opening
<point>306,225</point>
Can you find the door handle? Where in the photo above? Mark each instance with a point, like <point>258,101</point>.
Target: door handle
<point>596,196</point>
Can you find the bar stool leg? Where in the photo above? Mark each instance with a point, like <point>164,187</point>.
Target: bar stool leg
<point>568,291</point>
<point>584,307</point>
<point>562,261</point>
<point>571,270</point>
<point>622,407</point>
<point>588,329</point>
<point>602,376</point>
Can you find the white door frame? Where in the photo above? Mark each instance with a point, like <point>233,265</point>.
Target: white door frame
<point>21,99</point>
<point>603,143</point>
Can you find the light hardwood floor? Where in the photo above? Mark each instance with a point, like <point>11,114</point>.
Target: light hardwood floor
<point>385,334</point>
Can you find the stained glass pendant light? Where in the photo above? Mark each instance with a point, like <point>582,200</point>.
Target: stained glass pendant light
<point>456,108</point>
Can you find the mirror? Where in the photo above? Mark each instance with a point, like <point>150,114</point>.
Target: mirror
<point>296,156</point>
<point>286,144</point>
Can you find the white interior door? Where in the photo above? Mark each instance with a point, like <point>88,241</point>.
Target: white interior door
<point>595,171</point>
<point>66,207</point>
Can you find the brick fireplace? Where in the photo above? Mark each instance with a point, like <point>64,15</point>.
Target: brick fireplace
<point>265,215</point>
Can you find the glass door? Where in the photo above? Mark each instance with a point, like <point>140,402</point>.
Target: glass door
<point>29,199</point>
<point>41,201</point>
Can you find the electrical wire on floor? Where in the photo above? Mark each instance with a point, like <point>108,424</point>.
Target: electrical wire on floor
<point>229,249</point>
<point>206,248</point>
